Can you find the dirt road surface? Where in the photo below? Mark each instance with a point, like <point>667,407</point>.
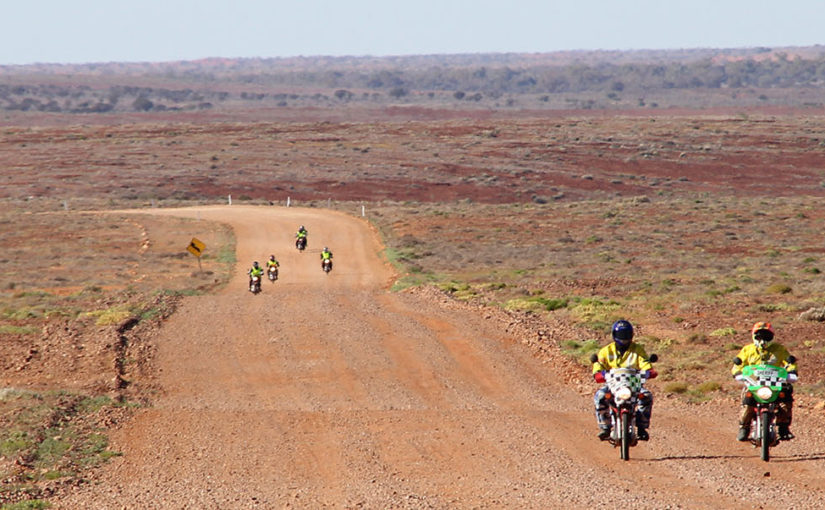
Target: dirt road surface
<point>330,391</point>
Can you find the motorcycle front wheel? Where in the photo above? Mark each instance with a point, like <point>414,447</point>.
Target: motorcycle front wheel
<point>765,432</point>
<point>625,447</point>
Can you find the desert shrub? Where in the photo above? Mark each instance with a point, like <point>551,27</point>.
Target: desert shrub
<point>110,316</point>
<point>676,387</point>
<point>7,329</point>
<point>707,387</point>
<point>723,332</point>
<point>594,311</point>
<point>529,304</point>
<point>142,104</point>
<point>779,288</point>
<point>580,351</point>
<point>551,304</point>
<point>697,338</point>
<point>813,314</point>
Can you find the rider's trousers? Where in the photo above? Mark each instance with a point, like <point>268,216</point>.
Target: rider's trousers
<point>643,410</point>
<point>784,410</point>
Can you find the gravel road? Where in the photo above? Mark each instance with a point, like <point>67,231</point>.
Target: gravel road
<point>330,391</point>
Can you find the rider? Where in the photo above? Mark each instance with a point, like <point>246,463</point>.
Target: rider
<point>622,353</point>
<point>762,351</point>
<point>255,271</point>
<point>326,255</point>
<point>271,262</point>
<point>302,232</point>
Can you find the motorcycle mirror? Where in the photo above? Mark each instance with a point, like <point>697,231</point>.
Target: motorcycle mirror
<point>593,358</point>
<point>654,358</point>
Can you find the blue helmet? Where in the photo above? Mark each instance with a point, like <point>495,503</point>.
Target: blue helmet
<point>622,333</point>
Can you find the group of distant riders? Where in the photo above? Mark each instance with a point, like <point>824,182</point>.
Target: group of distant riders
<point>256,272</point>
<point>624,353</point>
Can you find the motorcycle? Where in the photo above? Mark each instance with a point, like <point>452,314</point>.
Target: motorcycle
<point>326,265</point>
<point>272,273</point>
<point>766,385</point>
<point>301,243</point>
<point>254,284</point>
<point>625,385</point>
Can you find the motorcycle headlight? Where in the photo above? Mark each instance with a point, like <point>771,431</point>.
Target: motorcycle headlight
<point>764,393</point>
<point>624,393</point>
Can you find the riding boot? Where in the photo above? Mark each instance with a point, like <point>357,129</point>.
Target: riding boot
<point>746,416</point>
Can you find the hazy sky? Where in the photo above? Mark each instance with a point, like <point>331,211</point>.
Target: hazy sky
<point>75,31</point>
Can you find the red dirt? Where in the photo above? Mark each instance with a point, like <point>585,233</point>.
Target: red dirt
<point>334,392</point>
<point>331,391</point>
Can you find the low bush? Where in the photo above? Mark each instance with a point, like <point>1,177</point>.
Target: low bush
<point>678,387</point>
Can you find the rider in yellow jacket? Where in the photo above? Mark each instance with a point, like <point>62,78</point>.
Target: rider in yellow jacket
<point>622,353</point>
<point>763,351</point>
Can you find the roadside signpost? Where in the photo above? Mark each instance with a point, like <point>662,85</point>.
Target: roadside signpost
<point>196,248</point>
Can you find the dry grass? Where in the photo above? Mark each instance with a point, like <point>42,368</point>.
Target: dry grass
<point>692,273</point>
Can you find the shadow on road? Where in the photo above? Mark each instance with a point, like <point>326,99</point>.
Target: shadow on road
<point>697,457</point>
<point>800,457</point>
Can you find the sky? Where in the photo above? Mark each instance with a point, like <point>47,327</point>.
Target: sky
<point>94,31</point>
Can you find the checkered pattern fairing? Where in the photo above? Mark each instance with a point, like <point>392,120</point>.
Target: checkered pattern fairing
<point>619,378</point>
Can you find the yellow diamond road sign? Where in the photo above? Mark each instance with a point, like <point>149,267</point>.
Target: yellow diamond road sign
<point>196,247</point>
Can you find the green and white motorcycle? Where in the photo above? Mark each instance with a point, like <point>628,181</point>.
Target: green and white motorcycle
<point>766,386</point>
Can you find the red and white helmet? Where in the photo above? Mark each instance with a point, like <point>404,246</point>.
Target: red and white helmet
<point>762,334</point>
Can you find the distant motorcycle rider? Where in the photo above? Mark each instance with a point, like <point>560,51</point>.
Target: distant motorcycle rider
<point>326,255</point>
<point>762,351</point>
<point>622,353</point>
<point>301,240</point>
<point>272,262</point>
<point>255,271</point>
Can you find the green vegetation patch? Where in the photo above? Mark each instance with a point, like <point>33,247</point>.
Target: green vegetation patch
<point>111,316</point>
<point>779,288</point>
<point>52,435</point>
<point>536,303</point>
<point>580,351</point>
<point>595,313</point>
<point>723,332</point>
<point>9,329</point>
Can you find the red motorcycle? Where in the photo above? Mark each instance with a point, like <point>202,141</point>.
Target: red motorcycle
<point>625,385</point>
<point>254,284</point>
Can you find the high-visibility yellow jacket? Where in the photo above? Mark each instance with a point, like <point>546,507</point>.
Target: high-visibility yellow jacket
<point>634,357</point>
<point>774,354</point>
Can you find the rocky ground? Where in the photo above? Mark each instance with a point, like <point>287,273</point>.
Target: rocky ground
<point>464,394</point>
